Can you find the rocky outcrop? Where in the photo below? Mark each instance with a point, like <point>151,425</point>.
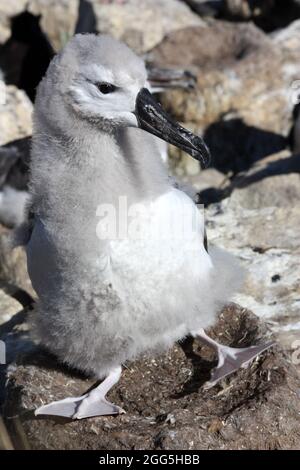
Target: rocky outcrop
<point>242,107</point>
<point>8,305</point>
<point>15,115</point>
<point>256,216</point>
<point>7,10</point>
<point>244,110</point>
<point>15,123</point>
<point>13,264</point>
<point>272,182</point>
<point>142,24</point>
<point>58,20</point>
<point>257,408</point>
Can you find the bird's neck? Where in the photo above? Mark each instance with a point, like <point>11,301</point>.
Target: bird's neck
<point>125,162</point>
<point>91,168</point>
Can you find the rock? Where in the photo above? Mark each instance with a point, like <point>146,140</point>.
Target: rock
<point>14,163</point>
<point>281,191</point>
<point>13,263</point>
<point>238,9</point>
<point>142,24</point>
<point>8,306</point>
<point>25,56</point>
<point>7,10</point>
<point>289,339</point>
<point>15,115</point>
<point>255,215</point>
<point>5,442</point>
<point>58,18</point>
<point>273,181</point>
<point>207,178</point>
<point>187,165</point>
<point>240,104</point>
<point>210,178</point>
<point>259,223</point>
<point>216,46</point>
<point>257,408</point>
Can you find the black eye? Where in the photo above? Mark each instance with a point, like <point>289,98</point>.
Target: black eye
<point>106,88</point>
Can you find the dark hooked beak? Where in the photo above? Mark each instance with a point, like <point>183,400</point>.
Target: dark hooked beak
<point>152,118</point>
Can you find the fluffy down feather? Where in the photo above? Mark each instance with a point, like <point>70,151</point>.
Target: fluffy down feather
<point>104,301</point>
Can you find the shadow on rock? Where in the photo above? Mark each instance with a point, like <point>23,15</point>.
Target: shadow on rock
<point>258,173</point>
<point>235,146</point>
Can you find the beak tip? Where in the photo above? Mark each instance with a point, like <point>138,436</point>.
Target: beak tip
<point>203,154</point>
<point>206,160</point>
<point>152,118</point>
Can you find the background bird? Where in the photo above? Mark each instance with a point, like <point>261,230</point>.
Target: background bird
<point>107,295</point>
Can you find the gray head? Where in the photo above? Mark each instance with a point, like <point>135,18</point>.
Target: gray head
<point>96,77</point>
<point>100,81</point>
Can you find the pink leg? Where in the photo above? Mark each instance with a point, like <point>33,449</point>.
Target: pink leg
<point>88,405</point>
<point>229,359</point>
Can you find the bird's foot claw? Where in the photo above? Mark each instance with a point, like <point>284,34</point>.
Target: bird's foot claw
<point>232,359</point>
<point>79,408</point>
<point>101,407</point>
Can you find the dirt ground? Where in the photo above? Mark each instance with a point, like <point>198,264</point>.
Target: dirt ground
<point>166,408</point>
